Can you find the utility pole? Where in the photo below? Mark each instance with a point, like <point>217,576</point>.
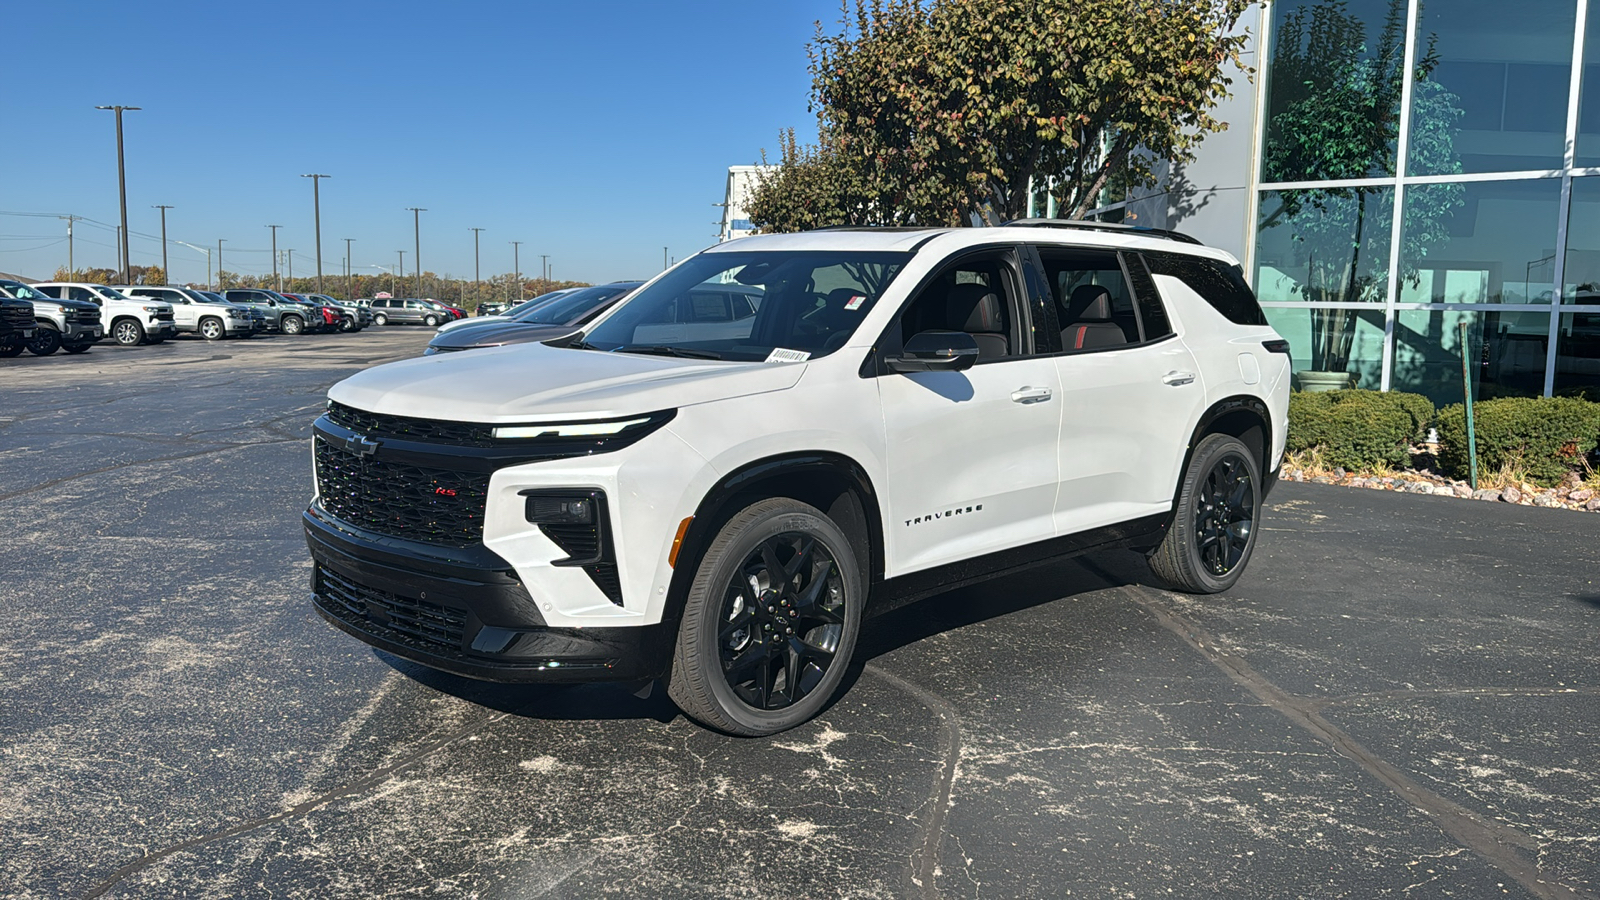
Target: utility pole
<point>316,204</point>
<point>275,277</point>
<point>220,283</point>
<point>477,280</point>
<point>664,264</point>
<point>516,266</point>
<point>122,186</point>
<point>402,265</point>
<point>348,288</point>
<point>165,272</point>
<point>289,254</point>
<point>72,270</point>
<point>416,236</point>
<point>119,248</point>
<point>544,268</point>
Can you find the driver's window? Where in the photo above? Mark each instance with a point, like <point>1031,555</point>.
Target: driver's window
<point>977,295</point>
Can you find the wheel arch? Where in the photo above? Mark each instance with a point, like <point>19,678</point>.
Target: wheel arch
<point>1242,416</point>
<point>832,482</point>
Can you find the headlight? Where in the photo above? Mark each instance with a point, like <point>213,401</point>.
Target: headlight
<point>151,308</point>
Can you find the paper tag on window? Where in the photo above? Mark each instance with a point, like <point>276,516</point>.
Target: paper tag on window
<point>855,302</point>
<point>780,355</point>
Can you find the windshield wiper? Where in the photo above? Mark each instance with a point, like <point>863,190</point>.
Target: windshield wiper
<point>579,345</point>
<point>664,350</point>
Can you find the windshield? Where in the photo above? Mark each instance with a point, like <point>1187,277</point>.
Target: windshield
<point>751,305</point>
<point>566,309</point>
<point>21,291</point>
<point>540,300</point>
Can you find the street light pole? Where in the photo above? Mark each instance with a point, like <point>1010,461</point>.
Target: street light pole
<point>477,279</point>
<point>348,287</point>
<point>516,266</point>
<point>122,186</point>
<point>165,272</point>
<point>275,277</point>
<point>220,282</point>
<point>402,265</point>
<point>289,255</point>
<point>544,268</point>
<point>316,203</point>
<point>664,264</point>
<point>416,236</point>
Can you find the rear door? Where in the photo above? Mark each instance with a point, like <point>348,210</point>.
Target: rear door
<point>971,459</point>
<point>1131,390</point>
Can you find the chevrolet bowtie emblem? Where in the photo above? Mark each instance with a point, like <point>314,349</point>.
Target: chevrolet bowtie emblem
<point>361,445</point>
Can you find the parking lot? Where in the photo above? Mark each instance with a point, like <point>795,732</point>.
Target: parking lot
<point>1399,698</point>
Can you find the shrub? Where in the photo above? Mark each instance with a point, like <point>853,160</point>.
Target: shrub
<point>1356,429</point>
<point>1547,437</point>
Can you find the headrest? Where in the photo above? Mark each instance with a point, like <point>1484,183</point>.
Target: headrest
<point>838,297</point>
<point>975,309</point>
<point>1088,302</point>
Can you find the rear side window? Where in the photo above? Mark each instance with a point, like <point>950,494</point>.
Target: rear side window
<point>50,292</point>
<point>1151,312</point>
<point>1089,288</point>
<point>1223,286</point>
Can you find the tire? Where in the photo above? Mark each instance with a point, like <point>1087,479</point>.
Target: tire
<point>1214,526</point>
<point>46,340</point>
<point>430,321</point>
<point>11,345</point>
<point>127,332</point>
<point>76,348</point>
<point>725,675</point>
<point>380,319</point>
<point>211,329</point>
<point>292,325</point>
<point>347,326</point>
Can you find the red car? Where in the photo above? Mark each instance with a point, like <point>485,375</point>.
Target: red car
<point>454,312</point>
<point>330,316</point>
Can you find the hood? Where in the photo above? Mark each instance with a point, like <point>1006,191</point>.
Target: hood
<point>533,382</point>
<point>495,334</point>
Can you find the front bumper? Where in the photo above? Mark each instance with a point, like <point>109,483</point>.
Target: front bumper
<point>238,326</point>
<point>161,328</point>
<point>463,611</point>
<point>76,333</point>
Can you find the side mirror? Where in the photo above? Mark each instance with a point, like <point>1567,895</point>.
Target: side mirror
<point>936,351</point>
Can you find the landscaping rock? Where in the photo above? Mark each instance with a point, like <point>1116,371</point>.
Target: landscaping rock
<point>1581,496</point>
<point>1547,501</point>
<point>1419,487</point>
<point>1511,495</point>
<point>1462,490</point>
<point>1485,494</point>
<point>1593,505</point>
<point>1322,479</point>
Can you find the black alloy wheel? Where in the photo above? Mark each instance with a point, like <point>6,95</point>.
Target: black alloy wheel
<point>45,341</point>
<point>1213,529</point>
<point>771,621</point>
<point>10,345</point>
<point>211,329</point>
<point>347,325</point>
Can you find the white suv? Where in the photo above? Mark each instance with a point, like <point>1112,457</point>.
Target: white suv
<point>196,313</point>
<point>126,320</point>
<point>722,503</point>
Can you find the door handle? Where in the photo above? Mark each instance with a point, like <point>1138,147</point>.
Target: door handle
<point>1177,379</point>
<point>1030,395</point>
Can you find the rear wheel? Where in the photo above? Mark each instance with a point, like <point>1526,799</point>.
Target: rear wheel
<point>1214,527</point>
<point>127,332</point>
<point>46,340</point>
<point>430,321</point>
<point>212,330</point>
<point>770,622</point>
<point>380,319</point>
<point>293,325</point>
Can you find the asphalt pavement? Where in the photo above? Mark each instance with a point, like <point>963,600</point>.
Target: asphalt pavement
<point>1398,699</point>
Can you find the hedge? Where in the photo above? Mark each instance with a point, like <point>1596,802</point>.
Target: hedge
<point>1356,429</point>
<point>1546,437</point>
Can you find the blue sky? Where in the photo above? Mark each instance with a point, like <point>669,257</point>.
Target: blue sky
<point>596,132</point>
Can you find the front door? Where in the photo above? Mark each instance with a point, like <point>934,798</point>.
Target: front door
<point>972,466</point>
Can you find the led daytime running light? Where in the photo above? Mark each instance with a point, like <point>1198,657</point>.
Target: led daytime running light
<point>576,429</point>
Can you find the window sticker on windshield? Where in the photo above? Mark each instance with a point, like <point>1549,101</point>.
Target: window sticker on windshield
<point>780,354</point>
<point>855,302</point>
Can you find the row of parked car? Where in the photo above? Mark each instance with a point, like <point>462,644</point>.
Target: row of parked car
<point>73,316</point>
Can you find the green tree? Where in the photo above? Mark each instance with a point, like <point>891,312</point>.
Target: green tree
<point>938,112</point>
<point>1336,116</point>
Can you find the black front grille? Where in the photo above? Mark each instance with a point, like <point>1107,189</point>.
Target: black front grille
<point>164,316</point>
<point>437,506</point>
<point>407,619</point>
<point>429,431</point>
<point>86,316</point>
<point>17,316</point>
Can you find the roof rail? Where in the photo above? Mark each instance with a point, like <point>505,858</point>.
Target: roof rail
<point>889,228</point>
<point>1084,225</point>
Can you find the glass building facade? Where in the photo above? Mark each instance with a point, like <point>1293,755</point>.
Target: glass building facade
<point>1420,166</point>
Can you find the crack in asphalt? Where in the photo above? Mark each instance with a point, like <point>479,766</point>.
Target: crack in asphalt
<point>925,872</point>
<point>1498,844</point>
<point>350,788</point>
<point>1410,694</point>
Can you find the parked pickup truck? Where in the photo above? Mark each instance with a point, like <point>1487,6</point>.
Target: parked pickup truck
<point>16,325</point>
<point>70,325</point>
<point>197,313</point>
<point>126,320</point>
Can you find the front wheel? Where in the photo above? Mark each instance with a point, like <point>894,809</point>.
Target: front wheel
<point>430,321</point>
<point>10,345</point>
<point>380,319</point>
<point>770,622</point>
<point>293,325</point>
<point>76,348</point>
<point>212,330</point>
<point>46,340</point>
<point>127,332</point>
<point>1214,527</point>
